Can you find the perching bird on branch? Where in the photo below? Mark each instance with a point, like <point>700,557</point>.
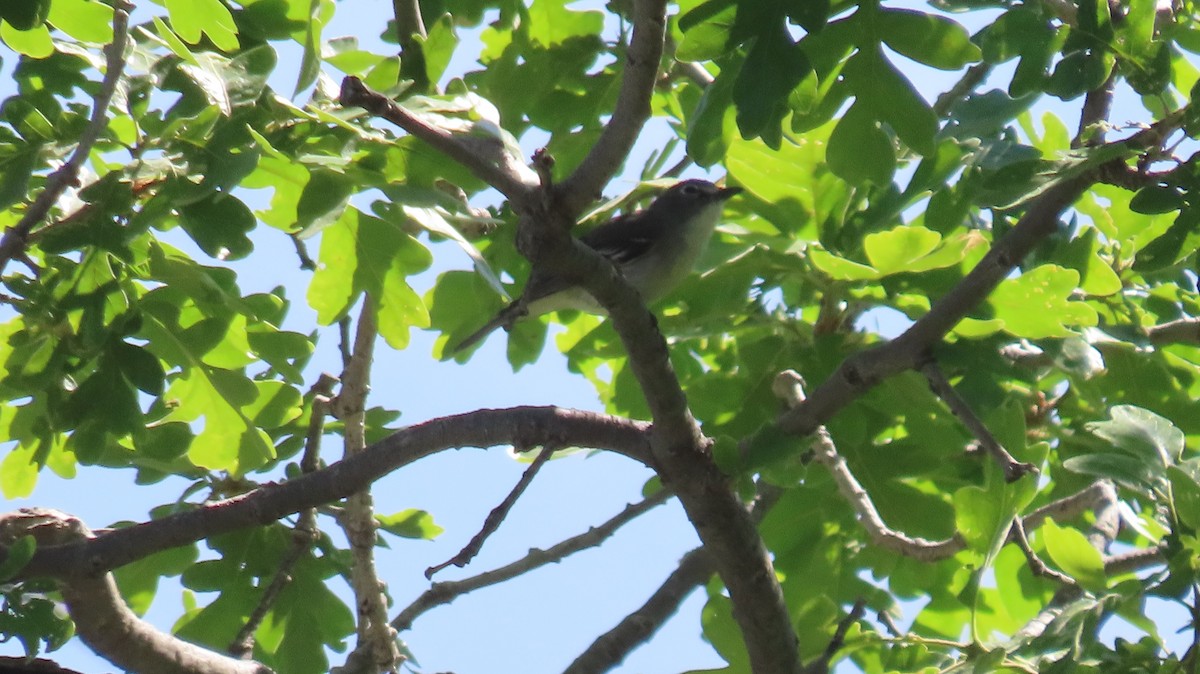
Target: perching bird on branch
<point>654,249</point>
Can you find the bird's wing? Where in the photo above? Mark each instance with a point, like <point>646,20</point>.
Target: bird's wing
<point>620,240</point>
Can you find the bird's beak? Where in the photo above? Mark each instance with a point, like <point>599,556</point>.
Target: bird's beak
<point>724,193</point>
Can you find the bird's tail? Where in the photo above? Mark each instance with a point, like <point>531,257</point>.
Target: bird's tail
<point>504,319</point>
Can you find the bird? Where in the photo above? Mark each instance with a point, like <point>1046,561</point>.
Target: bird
<point>654,249</point>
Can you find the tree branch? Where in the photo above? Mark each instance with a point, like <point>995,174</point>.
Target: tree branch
<point>101,617</point>
<point>1013,469</point>
<point>12,244</point>
<point>642,61</point>
<point>483,156</point>
<point>376,650</point>
<point>305,531</point>
<point>611,648</point>
<point>520,426</point>
<point>410,30</point>
<point>862,371</point>
<point>447,591</point>
<point>1180,331</point>
<point>494,518</point>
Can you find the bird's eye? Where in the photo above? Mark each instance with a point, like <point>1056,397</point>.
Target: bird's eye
<point>692,190</point>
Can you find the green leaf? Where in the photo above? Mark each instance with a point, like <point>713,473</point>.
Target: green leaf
<point>140,367</point>
<point>194,18</point>
<point>552,23</point>
<point>928,38</point>
<point>322,201</point>
<point>887,94</point>
<point>361,253</point>
<point>859,151</point>
<point>163,441</point>
<point>84,20</point>
<point>893,251</point>
<point>1142,434</point>
<point>19,552</point>
<point>841,269</point>
<point>24,14</point>
<point>34,43</point>
<point>411,523</point>
<point>1097,277</point>
<point>712,127</point>
<point>277,404</point>
<point>706,30</point>
<point>1178,242</point>
<point>1038,303</point>
<point>1122,469</point>
<point>773,68</point>
<point>1155,199</point>
<point>18,473</point>
<point>1071,551</point>
<point>1185,495</point>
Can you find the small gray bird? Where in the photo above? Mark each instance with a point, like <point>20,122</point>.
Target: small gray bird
<point>654,249</point>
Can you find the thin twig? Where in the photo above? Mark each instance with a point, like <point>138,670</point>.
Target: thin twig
<point>305,531</point>
<point>1069,507</point>
<point>789,387</point>
<point>496,516</point>
<point>610,648</point>
<point>306,262</point>
<point>445,592</point>
<point>963,87</point>
<point>410,25</point>
<point>12,244</point>
<point>376,648</point>
<point>695,568</point>
<point>821,664</point>
<point>511,178</point>
<point>1013,469</point>
<point>1036,565</point>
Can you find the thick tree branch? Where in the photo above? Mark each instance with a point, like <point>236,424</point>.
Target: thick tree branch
<point>520,426</point>
<point>862,371</point>
<point>12,244</point>
<point>681,453</point>
<point>101,617</point>
<point>446,592</point>
<point>1180,331</point>
<point>642,61</point>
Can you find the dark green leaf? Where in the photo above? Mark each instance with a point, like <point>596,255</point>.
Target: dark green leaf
<point>140,367</point>
<point>773,68</point>
<point>1155,199</point>
<point>218,224</point>
<point>928,38</point>
<point>891,98</point>
<point>859,151</point>
<point>24,14</point>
